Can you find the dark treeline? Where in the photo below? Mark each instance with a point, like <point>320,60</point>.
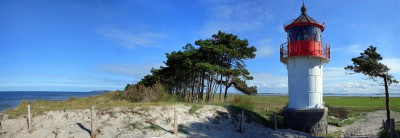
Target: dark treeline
<point>209,68</point>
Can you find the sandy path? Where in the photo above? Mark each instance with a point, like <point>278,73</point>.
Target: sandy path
<point>209,121</point>
<point>368,126</point>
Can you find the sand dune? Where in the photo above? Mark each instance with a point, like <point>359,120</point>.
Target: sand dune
<point>148,121</point>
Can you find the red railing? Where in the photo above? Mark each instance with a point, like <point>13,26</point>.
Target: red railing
<point>304,48</point>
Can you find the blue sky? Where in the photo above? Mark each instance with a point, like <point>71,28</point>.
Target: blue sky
<point>72,45</point>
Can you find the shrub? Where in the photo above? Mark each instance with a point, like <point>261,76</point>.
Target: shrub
<point>243,102</point>
<point>141,93</point>
<point>194,108</point>
<point>339,112</point>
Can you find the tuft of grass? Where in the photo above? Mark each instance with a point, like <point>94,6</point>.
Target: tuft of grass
<point>154,127</point>
<point>194,108</point>
<point>135,125</point>
<point>168,120</point>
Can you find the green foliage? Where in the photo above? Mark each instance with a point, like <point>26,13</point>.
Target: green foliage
<point>339,112</point>
<point>198,72</point>
<point>154,127</point>
<point>241,85</point>
<point>194,108</point>
<point>141,93</point>
<point>340,122</point>
<point>243,102</point>
<point>368,63</point>
<point>135,125</point>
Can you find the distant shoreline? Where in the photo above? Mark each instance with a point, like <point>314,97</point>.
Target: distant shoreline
<point>11,99</point>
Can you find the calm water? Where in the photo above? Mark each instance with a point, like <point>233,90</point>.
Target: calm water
<point>10,100</point>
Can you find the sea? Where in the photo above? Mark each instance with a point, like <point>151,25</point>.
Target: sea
<point>10,99</point>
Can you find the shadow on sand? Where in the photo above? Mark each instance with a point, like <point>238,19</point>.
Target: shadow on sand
<point>84,128</point>
<point>223,124</point>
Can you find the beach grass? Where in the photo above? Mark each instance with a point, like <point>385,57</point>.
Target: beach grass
<point>102,102</point>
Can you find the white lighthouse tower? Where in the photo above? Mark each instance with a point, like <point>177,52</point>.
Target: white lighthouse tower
<point>304,56</point>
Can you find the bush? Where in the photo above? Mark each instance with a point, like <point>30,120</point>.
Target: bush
<point>243,102</point>
<point>141,93</point>
<point>339,112</point>
<point>194,108</point>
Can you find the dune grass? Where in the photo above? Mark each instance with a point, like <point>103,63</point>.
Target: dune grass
<point>194,108</point>
<point>102,102</point>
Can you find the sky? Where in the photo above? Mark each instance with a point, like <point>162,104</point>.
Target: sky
<point>84,45</point>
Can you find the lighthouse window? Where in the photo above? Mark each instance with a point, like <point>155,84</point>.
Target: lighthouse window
<point>299,33</point>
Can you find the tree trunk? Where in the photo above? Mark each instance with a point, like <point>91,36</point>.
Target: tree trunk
<point>202,86</point>
<point>193,81</point>
<point>387,99</point>
<point>226,87</point>
<point>226,93</point>
<point>220,89</point>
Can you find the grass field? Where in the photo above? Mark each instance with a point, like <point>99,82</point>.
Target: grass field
<point>354,104</point>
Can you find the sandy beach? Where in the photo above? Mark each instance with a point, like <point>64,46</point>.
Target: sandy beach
<point>208,121</point>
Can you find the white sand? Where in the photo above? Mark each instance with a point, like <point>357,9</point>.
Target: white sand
<point>209,121</point>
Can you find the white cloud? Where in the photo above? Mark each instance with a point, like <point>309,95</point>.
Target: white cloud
<point>131,40</point>
<point>136,71</point>
<point>264,51</point>
<point>236,16</point>
<point>337,81</point>
<point>264,48</point>
<point>393,64</point>
<point>269,83</point>
<point>354,48</point>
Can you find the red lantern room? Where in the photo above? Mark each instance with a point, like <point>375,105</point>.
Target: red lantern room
<point>304,39</point>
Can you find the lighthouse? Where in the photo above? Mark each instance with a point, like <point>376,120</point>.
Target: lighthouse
<point>304,55</point>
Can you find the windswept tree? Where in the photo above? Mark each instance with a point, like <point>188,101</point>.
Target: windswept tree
<point>227,53</point>
<point>211,65</point>
<point>368,64</point>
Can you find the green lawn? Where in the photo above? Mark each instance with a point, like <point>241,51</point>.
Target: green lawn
<point>354,104</point>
